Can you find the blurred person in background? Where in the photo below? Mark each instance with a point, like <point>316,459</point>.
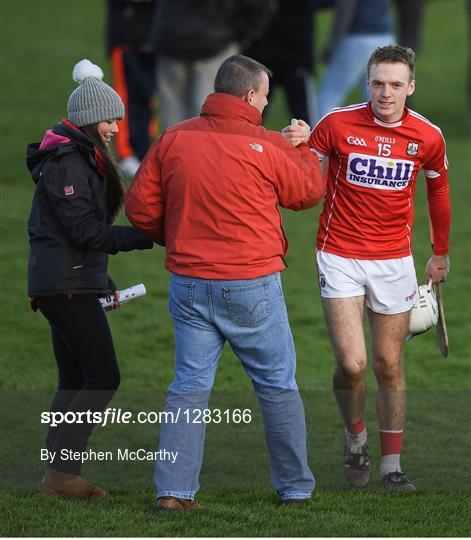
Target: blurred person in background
<point>287,46</point>
<point>192,39</point>
<point>78,195</point>
<point>410,19</point>
<point>358,27</point>
<point>131,52</point>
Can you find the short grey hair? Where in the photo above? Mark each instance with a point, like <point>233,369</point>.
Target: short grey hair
<point>238,74</point>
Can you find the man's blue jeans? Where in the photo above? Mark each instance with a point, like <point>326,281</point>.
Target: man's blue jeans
<point>251,315</point>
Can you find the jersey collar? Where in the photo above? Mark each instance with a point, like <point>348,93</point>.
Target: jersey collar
<point>387,124</point>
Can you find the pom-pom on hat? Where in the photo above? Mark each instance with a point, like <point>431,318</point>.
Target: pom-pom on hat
<point>93,101</point>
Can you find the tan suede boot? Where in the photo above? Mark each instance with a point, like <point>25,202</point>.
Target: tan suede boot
<point>57,483</point>
<point>172,504</point>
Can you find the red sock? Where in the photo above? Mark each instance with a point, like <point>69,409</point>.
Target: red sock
<point>355,429</point>
<point>391,442</point>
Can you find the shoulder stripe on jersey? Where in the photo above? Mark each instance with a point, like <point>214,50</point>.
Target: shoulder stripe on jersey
<point>348,108</point>
<point>420,117</point>
<point>426,121</point>
<point>352,106</point>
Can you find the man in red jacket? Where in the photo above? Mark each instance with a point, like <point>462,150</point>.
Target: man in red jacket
<point>210,190</point>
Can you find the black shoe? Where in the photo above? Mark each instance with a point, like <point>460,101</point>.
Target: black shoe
<point>396,482</point>
<point>356,465</point>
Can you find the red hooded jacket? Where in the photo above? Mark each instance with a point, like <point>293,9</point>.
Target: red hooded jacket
<point>210,189</point>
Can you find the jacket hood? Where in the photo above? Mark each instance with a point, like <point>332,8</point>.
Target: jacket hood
<point>63,138</point>
<point>51,139</point>
<point>223,105</point>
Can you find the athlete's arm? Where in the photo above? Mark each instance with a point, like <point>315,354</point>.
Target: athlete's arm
<point>438,196</point>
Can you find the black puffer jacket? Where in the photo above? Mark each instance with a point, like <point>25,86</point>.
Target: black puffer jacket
<point>69,231</point>
<point>129,22</point>
<point>189,30</point>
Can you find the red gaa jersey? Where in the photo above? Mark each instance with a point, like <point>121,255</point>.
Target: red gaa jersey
<point>373,166</point>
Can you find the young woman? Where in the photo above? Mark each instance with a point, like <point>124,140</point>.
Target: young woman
<point>78,195</point>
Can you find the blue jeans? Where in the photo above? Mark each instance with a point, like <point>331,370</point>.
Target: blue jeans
<point>251,315</point>
<point>347,68</point>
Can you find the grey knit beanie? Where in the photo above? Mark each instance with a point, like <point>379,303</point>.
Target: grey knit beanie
<point>93,101</point>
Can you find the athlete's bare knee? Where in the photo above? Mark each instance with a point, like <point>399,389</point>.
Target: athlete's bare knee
<point>351,372</point>
<point>388,370</point>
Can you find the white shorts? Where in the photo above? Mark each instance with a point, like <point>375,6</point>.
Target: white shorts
<point>389,286</point>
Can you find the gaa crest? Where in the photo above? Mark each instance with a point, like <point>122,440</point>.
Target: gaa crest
<point>322,281</point>
<point>412,148</point>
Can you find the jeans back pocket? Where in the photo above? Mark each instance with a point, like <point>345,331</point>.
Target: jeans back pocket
<point>247,306</point>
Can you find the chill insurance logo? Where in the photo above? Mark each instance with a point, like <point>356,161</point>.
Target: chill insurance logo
<point>379,172</point>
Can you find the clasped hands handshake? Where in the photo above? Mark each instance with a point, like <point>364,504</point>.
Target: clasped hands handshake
<point>297,132</point>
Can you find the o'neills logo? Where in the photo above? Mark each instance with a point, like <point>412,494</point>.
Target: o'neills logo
<point>379,172</point>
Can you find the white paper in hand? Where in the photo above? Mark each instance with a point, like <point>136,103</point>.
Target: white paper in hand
<point>125,295</point>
